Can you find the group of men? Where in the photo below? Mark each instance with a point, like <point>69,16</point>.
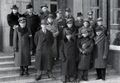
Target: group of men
<point>79,44</point>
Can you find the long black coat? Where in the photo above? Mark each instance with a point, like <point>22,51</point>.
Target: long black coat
<point>12,20</point>
<point>86,45</point>
<point>44,55</point>
<point>22,47</point>
<point>33,23</point>
<point>69,57</point>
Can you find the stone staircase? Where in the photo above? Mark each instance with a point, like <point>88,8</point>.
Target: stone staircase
<point>10,74</point>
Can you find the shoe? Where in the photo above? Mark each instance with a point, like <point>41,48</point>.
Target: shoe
<point>64,82</point>
<point>85,78</point>
<point>21,73</point>
<point>50,75</point>
<point>98,78</point>
<point>38,77</point>
<point>103,79</point>
<point>26,71</point>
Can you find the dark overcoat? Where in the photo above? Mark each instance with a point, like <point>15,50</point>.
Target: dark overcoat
<point>101,49</point>
<point>33,23</point>
<point>86,45</point>
<point>22,47</point>
<point>52,27</point>
<point>69,57</point>
<point>12,20</point>
<point>44,55</point>
<point>60,24</point>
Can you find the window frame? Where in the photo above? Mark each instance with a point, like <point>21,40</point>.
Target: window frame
<point>114,8</point>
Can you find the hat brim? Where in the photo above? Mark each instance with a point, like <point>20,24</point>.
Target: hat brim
<point>14,8</point>
<point>43,6</point>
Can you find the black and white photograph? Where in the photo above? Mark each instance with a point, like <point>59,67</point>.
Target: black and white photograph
<point>59,41</point>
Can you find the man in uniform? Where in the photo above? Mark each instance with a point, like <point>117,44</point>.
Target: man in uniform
<point>93,23</point>
<point>85,46</point>
<point>44,13</point>
<point>60,23</point>
<point>51,26</point>
<point>79,21</point>
<point>13,22</point>
<point>68,14</point>
<point>101,50</point>
<point>33,21</point>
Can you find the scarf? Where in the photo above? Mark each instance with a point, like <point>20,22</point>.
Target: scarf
<point>99,38</point>
<point>22,30</point>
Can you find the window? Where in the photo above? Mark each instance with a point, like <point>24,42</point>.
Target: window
<point>95,7</point>
<point>115,12</point>
<point>53,8</point>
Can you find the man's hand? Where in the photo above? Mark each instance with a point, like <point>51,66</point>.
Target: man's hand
<point>104,57</point>
<point>15,26</point>
<point>31,52</point>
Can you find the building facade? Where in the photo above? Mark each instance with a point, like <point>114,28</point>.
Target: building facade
<point>109,10</point>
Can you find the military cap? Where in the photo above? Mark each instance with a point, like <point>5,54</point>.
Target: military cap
<point>29,6</point>
<point>43,21</point>
<point>86,20</point>
<point>84,30</point>
<point>90,13</point>
<point>99,29</point>
<point>69,21</point>
<point>79,14</point>
<point>99,19</point>
<point>59,11</point>
<point>50,15</point>
<point>45,5</point>
<point>14,7</point>
<point>22,18</point>
<point>67,10</point>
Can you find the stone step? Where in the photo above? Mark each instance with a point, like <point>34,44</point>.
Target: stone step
<point>4,58</point>
<point>11,64</point>
<point>15,78</point>
<point>13,70</point>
